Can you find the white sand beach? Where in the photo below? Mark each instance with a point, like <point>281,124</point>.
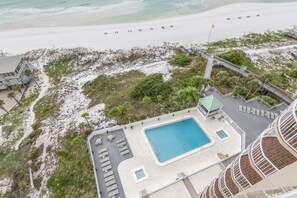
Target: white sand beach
<point>186,30</point>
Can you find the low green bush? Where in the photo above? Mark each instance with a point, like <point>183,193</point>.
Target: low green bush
<point>151,86</point>
<point>181,59</point>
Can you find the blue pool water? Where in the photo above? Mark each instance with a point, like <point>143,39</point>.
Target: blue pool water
<point>222,134</point>
<point>171,140</point>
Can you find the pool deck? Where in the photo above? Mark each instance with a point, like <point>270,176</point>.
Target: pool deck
<point>160,177</point>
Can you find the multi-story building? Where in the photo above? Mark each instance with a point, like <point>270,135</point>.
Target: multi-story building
<point>268,165</point>
<point>12,71</point>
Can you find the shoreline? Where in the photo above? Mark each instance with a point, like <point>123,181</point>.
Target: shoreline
<point>186,30</point>
<point>94,18</point>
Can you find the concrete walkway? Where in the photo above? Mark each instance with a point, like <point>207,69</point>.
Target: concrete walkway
<point>273,89</point>
<point>208,69</point>
<point>190,187</point>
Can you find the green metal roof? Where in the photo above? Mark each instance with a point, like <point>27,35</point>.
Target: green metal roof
<point>211,103</point>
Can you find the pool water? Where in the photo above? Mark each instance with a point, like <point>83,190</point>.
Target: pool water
<point>174,139</point>
<point>139,174</point>
<point>222,134</point>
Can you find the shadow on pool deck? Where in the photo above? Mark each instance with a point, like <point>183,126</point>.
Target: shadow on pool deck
<point>115,159</point>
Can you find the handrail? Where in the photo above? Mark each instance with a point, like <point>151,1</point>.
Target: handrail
<point>237,128</point>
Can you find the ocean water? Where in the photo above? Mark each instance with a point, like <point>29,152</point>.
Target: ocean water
<point>107,11</point>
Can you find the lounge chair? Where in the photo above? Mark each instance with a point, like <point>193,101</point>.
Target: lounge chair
<point>222,155</point>
<point>122,144</point>
<point>123,148</point>
<point>272,116</point>
<point>103,155</point>
<point>276,115</point>
<point>109,178</point>
<point>106,168</point>
<point>262,113</point>
<point>113,193</point>
<point>240,108</point>
<point>267,114</point>
<point>105,164</point>
<point>102,150</point>
<point>244,109</point>
<point>120,140</point>
<point>253,111</point>
<point>248,109</point>
<point>125,152</point>
<point>111,188</point>
<point>104,160</point>
<point>111,182</point>
<point>257,112</point>
<point>108,174</point>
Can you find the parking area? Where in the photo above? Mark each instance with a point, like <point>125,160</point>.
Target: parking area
<point>108,151</point>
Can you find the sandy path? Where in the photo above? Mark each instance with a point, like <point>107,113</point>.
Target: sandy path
<point>31,115</point>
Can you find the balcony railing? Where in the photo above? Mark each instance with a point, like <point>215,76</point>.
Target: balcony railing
<point>223,186</point>
<point>287,126</point>
<point>259,159</point>
<point>237,173</point>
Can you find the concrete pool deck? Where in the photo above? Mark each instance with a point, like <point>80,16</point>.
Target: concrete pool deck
<point>162,176</point>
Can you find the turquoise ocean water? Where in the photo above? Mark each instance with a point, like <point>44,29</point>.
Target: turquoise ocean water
<point>108,11</point>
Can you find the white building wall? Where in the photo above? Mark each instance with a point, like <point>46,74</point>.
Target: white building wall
<point>18,78</point>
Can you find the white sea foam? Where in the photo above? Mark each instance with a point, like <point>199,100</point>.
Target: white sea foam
<point>121,8</point>
<point>188,4</point>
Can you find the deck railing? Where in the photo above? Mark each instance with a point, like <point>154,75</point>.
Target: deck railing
<point>237,128</point>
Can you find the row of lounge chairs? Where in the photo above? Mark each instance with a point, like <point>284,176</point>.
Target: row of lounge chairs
<point>123,148</point>
<point>258,112</point>
<point>108,174</point>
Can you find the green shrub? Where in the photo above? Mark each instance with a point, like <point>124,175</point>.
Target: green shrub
<point>57,69</point>
<point>147,99</point>
<point>269,100</point>
<point>294,73</point>
<point>189,94</point>
<point>151,86</point>
<point>74,175</point>
<point>239,91</point>
<point>181,59</point>
<point>238,57</point>
<point>120,110</point>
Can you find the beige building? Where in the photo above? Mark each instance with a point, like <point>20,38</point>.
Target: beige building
<point>267,168</point>
<point>12,71</point>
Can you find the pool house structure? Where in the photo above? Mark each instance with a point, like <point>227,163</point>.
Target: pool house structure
<point>209,106</point>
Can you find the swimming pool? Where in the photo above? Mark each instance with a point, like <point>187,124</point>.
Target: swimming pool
<point>174,139</point>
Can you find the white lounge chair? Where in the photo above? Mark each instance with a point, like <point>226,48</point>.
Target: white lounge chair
<point>248,109</point>
<point>108,174</point>
<point>113,193</point>
<point>124,152</point>
<point>240,108</point>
